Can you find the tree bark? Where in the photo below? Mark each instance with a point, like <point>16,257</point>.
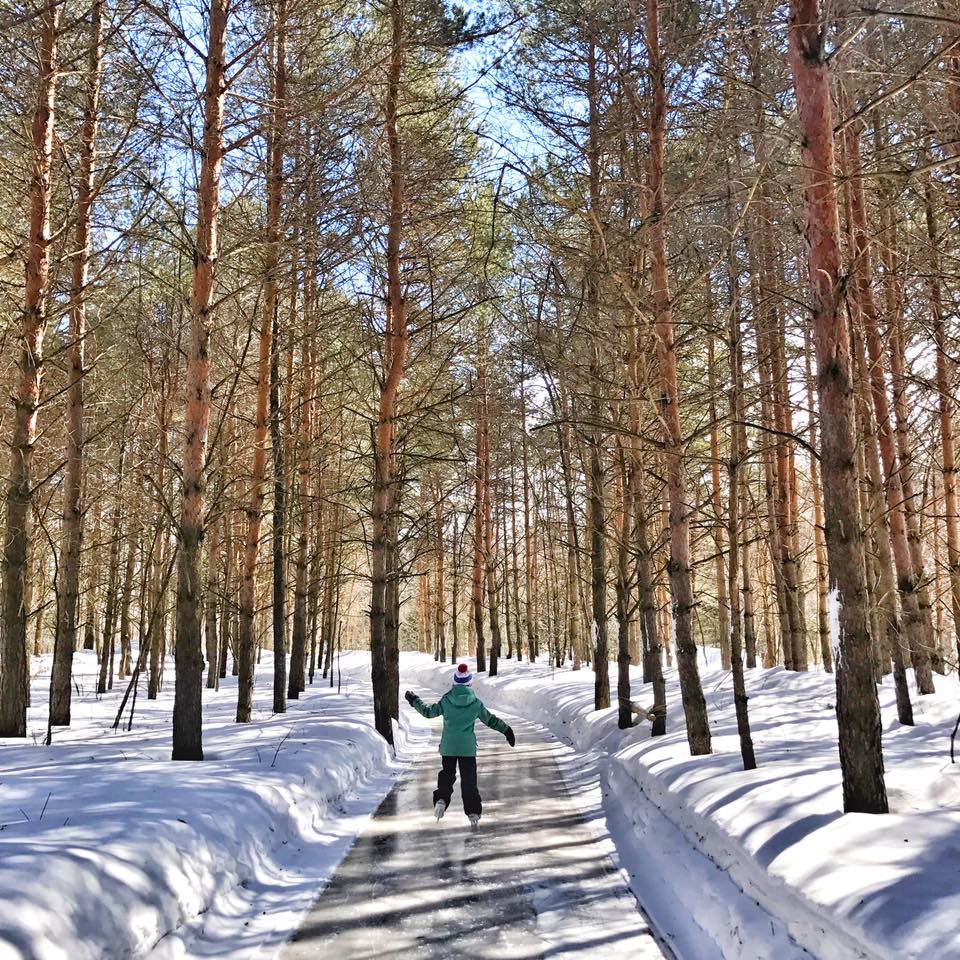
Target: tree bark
<point>918,629</point>
<point>723,606</point>
<point>386,694</point>
<point>105,679</point>
<point>479,506</point>
<point>737,457</point>
<point>858,710</point>
<point>72,526</point>
<point>14,675</point>
<point>298,641</point>
<point>187,707</point>
<point>945,409</point>
<point>819,545</point>
<point>276,149</point>
<point>691,691</point>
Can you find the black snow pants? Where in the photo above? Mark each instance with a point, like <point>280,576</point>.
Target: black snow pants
<point>468,783</point>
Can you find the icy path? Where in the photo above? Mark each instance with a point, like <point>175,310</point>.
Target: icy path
<point>534,882</point>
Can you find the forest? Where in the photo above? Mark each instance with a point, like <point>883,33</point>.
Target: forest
<point>597,335</point>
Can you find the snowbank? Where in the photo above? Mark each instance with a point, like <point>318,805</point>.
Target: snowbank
<point>107,847</point>
<point>844,885</point>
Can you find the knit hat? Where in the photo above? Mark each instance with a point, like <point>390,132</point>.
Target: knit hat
<point>462,676</point>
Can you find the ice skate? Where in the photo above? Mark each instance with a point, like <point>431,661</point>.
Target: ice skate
<point>474,822</point>
<point>439,810</point>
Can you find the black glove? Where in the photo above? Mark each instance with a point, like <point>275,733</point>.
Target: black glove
<point>410,697</point>
<point>511,739</point>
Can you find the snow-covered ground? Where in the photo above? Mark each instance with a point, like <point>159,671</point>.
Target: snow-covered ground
<point>110,850</point>
<point>845,886</point>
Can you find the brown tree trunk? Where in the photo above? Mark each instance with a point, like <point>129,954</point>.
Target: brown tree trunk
<point>105,679</point>
<point>514,555</point>
<point>886,607</point>
<point>211,603</point>
<point>723,607</point>
<point>691,692</point>
<point>456,553</point>
<point>187,707</point>
<point>14,675</point>
<point>278,541</point>
<point>918,629</point>
<point>481,481</point>
<point>72,527</point>
<point>819,545</point>
<point>276,149</point>
<point>490,554</point>
<point>858,710</point>
<point>598,581</point>
<point>737,457</point>
<point>385,694</point>
<point>298,641</point>
<point>529,547</point>
<point>946,404</point>
<point>749,617</point>
<point>623,590</point>
<point>91,634</point>
<point>133,538</point>
<point>440,603</point>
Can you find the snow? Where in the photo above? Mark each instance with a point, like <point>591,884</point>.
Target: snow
<point>795,872</point>
<point>108,849</point>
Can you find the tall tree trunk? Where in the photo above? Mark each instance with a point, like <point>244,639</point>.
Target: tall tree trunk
<point>598,560</point>
<point>891,639</point>
<point>946,404</point>
<point>386,705</point>
<point>440,604</point>
<point>105,679</point>
<point>14,675</point>
<point>490,554</point>
<point>298,641</point>
<point>623,591</point>
<point>918,629</point>
<point>513,555</point>
<point>187,706</point>
<point>480,497</point>
<point>819,545</point>
<point>65,639</point>
<point>133,538</point>
<point>723,608</point>
<point>529,548</point>
<point>737,457</point>
<point>858,710</point>
<point>277,146</point>
<point>278,542</point>
<point>91,634</point>
<point>749,617</point>
<point>211,603</point>
<point>456,553</point>
<point>691,691</point>
<point>598,581</point>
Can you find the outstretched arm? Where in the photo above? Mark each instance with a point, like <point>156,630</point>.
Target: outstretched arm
<point>425,710</point>
<point>495,723</point>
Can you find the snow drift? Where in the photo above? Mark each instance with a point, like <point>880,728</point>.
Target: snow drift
<point>846,886</point>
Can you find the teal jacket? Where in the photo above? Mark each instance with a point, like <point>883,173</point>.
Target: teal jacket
<point>461,709</point>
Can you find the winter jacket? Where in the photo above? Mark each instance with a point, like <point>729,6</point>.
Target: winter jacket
<point>460,708</point>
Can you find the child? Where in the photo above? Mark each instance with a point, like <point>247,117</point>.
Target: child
<point>460,709</point>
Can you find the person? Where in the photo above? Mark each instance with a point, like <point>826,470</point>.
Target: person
<point>460,708</point>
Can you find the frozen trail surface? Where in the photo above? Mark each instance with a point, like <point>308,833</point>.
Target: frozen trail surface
<point>532,883</point>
